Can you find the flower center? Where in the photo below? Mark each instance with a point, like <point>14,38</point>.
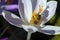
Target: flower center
<point>36,17</point>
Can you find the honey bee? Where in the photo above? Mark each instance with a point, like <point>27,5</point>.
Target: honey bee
<point>36,17</point>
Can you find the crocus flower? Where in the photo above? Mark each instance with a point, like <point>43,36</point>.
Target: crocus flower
<point>33,15</point>
<point>3,6</point>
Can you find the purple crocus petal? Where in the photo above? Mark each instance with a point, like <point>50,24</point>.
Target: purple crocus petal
<point>10,7</point>
<point>12,18</point>
<point>21,8</point>
<point>50,30</point>
<point>0,13</point>
<point>4,39</point>
<point>49,12</point>
<point>52,5</point>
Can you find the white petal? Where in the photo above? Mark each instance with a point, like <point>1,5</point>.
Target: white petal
<point>41,3</point>
<point>34,2</point>
<point>12,18</point>
<point>28,9</point>
<point>52,9</point>
<point>49,12</point>
<point>29,28</point>
<point>50,30</point>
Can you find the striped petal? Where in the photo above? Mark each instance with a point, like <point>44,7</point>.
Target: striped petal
<point>28,9</point>
<point>49,12</point>
<point>21,8</point>
<point>12,18</point>
<point>52,9</point>
<point>41,3</point>
<point>34,2</point>
<point>50,30</point>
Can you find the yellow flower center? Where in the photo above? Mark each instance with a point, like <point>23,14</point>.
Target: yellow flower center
<point>36,17</point>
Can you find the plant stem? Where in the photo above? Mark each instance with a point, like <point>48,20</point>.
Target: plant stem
<point>29,35</point>
<point>4,31</point>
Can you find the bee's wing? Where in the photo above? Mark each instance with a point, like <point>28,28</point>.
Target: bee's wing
<point>50,30</point>
<point>12,18</point>
<point>41,3</point>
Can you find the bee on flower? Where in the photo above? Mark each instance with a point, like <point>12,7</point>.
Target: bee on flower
<point>33,15</point>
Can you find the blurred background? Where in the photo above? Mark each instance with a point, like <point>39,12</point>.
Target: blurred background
<point>11,32</point>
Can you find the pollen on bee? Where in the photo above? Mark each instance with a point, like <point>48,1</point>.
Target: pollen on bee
<point>40,9</point>
<point>33,18</point>
<point>36,17</point>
